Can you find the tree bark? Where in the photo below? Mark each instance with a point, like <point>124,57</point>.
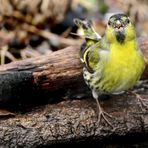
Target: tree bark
<point>32,78</point>
<point>74,122</point>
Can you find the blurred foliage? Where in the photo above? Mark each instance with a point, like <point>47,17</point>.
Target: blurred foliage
<point>102,6</point>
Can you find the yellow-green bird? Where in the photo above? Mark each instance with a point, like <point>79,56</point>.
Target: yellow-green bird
<point>113,63</point>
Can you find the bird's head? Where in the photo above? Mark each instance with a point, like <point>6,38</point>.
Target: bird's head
<point>119,29</point>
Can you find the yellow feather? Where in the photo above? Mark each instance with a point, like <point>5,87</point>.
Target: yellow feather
<point>124,67</point>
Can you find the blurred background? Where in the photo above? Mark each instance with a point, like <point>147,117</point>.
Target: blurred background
<point>32,28</point>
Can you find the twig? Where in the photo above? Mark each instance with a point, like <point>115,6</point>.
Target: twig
<point>51,36</point>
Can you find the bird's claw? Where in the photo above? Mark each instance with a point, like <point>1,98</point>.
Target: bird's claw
<point>104,115</point>
<point>143,103</point>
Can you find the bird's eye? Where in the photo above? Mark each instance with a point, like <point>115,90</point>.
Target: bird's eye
<point>109,22</point>
<point>128,21</point>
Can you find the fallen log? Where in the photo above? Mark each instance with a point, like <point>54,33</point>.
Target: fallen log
<point>33,77</point>
<point>75,122</point>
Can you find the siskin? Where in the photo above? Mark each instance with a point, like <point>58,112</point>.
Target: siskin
<point>112,63</point>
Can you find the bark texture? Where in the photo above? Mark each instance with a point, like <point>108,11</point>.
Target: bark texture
<point>74,121</point>
<point>38,76</point>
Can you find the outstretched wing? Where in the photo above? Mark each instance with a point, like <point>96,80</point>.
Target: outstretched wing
<point>89,50</point>
<point>88,30</point>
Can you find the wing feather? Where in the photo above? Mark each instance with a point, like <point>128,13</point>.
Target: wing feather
<point>91,57</point>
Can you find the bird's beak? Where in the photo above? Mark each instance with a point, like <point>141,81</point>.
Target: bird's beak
<point>119,27</point>
<point>118,24</point>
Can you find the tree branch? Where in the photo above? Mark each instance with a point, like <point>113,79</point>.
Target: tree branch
<point>74,121</point>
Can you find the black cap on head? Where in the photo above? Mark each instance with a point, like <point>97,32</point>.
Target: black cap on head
<point>118,16</point>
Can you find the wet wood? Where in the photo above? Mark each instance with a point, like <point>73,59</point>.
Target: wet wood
<point>74,122</point>
<point>29,78</point>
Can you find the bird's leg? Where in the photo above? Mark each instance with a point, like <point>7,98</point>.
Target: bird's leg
<point>101,112</point>
<point>142,102</point>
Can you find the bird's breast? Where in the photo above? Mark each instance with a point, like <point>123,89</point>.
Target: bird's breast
<point>123,69</point>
